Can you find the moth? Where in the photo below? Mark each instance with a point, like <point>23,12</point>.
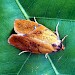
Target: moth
<point>35,38</point>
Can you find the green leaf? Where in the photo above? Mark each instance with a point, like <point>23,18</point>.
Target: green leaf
<point>47,13</point>
<point>64,9</point>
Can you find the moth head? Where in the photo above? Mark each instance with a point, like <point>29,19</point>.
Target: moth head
<point>58,45</point>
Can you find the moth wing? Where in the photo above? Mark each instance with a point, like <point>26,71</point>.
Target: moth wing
<point>24,26</point>
<point>44,34</point>
<point>29,44</point>
<point>38,40</point>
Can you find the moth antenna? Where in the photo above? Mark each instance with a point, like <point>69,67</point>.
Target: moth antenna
<point>22,52</point>
<point>57,30</point>
<point>64,38</point>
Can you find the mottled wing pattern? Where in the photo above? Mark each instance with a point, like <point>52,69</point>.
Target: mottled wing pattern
<point>36,40</point>
<point>24,26</point>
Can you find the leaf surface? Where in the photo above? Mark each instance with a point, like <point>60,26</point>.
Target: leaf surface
<point>47,13</point>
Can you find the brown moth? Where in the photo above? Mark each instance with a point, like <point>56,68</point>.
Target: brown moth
<point>35,38</point>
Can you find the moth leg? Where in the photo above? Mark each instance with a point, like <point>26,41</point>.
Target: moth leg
<point>64,38</point>
<point>36,22</point>
<point>20,34</point>
<point>46,55</point>
<point>22,52</point>
<point>34,27</point>
<point>57,30</point>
